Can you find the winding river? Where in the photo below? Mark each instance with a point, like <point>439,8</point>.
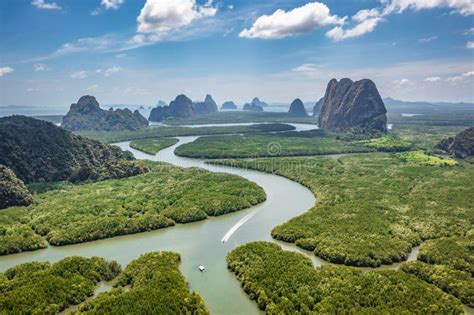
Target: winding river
<point>201,243</point>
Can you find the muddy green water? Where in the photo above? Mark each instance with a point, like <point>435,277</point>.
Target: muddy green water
<point>198,243</point>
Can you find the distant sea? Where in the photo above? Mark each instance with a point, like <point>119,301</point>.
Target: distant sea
<point>61,111</point>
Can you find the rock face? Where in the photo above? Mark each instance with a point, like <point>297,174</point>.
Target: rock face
<point>352,105</point>
<point>461,146</point>
<point>13,191</point>
<point>317,107</point>
<point>297,108</point>
<point>253,107</point>
<point>258,102</point>
<point>37,150</point>
<point>206,107</point>
<point>181,108</point>
<point>86,115</point>
<point>229,105</point>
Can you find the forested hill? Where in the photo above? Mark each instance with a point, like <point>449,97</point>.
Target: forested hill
<point>37,150</point>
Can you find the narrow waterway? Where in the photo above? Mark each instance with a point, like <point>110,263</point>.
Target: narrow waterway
<point>206,242</point>
<point>199,243</point>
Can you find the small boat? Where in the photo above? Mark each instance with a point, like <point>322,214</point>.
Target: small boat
<point>201,268</point>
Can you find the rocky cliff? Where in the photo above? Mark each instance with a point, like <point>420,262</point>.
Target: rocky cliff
<point>13,191</point>
<point>87,115</point>
<point>229,105</point>
<point>352,105</point>
<point>206,107</point>
<point>181,108</point>
<point>317,107</point>
<point>297,108</point>
<point>37,150</point>
<point>461,146</point>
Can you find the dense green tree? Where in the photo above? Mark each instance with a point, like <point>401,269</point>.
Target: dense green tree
<point>284,282</point>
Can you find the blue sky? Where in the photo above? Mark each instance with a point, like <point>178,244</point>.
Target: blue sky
<point>140,51</point>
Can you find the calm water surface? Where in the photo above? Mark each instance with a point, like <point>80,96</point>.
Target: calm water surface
<point>199,242</point>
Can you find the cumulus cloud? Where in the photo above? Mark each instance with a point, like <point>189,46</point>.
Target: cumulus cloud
<point>432,79</point>
<point>6,70</point>
<point>470,45</point>
<point>300,20</point>
<point>41,4</point>
<point>366,20</point>
<point>112,4</point>
<point>81,74</point>
<point>461,77</point>
<point>159,17</point>
<point>307,67</point>
<point>93,88</point>
<point>109,71</point>
<point>463,7</point>
<point>425,40</point>
<point>469,31</point>
<point>402,83</point>
<point>39,67</point>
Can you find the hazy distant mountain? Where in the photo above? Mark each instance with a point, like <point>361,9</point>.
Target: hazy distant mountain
<point>86,114</point>
<point>257,102</point>
<point>398,106</point>
<point>206,107</point>
<point>297,108</point>
<point>181,107</point>
<point>229,105</point>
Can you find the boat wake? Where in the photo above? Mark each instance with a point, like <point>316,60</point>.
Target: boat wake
<point>237,226</point>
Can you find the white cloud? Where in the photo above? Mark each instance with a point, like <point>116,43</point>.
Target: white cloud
<point>81,74</point>
<point>432,79</point>
<point>307,67</point>
<point>112,70</point>
<point>367,21</point>
<point>289,23</point>
<point>461,77</point>
<point>39,67</point>
<point>96,11</point>
<point>470,45</point>
<point>469,31</point>
<point>41,4</point>
<point>6,70</point>
<point>425,40</point>
<point>463,7</point>
<point>112,4</point>
<point>123,55</point>
<point>93,88</point>
<point>402,83</point>
<point>230,6</point>
<point>160,17</point>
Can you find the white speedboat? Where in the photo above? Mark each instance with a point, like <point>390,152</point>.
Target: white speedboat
<point>201,268</point>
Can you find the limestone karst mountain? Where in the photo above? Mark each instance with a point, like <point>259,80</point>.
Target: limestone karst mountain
<point>206,107</point>
<point>181,107</point>
<point>349,105</point>
<point>297,108</point>
<point>86,115</point>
